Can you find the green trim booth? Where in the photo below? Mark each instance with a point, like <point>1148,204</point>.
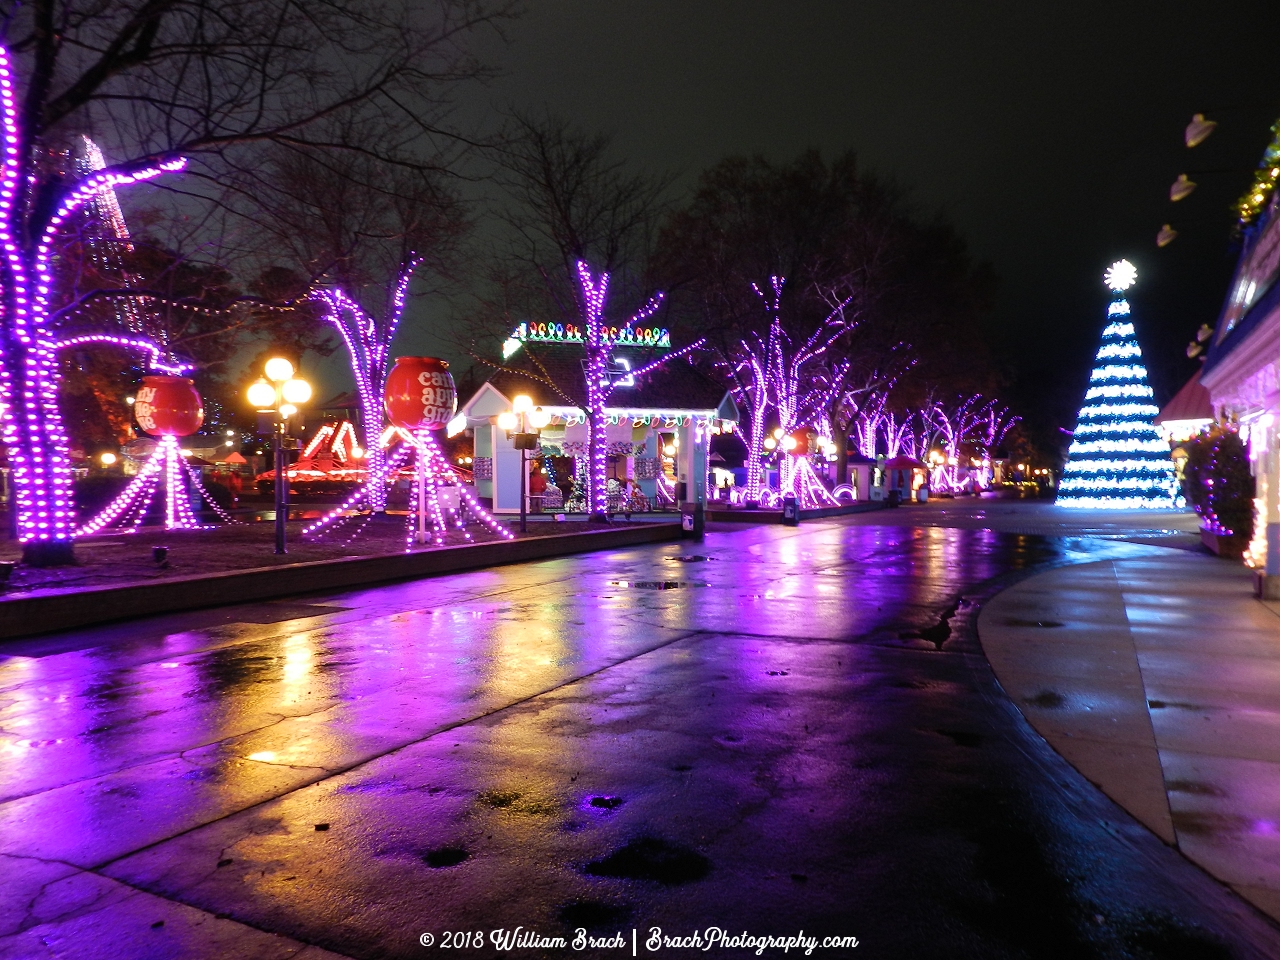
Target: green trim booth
<point>658,435</point>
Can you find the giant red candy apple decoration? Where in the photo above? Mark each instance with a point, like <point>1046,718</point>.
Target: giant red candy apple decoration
<point>420,394</point>
<point>168,406</point>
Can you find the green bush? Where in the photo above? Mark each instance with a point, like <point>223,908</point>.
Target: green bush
<point>1217,481</point>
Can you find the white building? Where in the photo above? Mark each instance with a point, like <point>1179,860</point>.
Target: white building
<point>1242,375</point>
<point>658,431</point>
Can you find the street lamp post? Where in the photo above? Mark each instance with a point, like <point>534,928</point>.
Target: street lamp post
<point>278,393</point>
<point>523,424</point>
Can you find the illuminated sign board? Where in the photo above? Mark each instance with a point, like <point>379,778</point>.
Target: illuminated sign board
<point>656,337</point>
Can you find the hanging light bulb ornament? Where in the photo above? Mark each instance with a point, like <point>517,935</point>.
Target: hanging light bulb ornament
<point>420,394</point>
<point>1181,188</point>
<point>1198,130</point>
<point>1166,236</point>
<point>168,406</point>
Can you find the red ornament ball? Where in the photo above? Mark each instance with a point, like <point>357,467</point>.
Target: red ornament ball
<point>168,406</point>
<point>420,394</point>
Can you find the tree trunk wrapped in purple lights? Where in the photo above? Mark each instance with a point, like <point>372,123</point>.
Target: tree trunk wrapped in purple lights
<point>33,431</point>
<point>598,341</point>
<point>368,340</point>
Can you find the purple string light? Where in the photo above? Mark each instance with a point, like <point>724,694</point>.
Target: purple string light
<point>131,505</point>
<point>154,353</point>
<point>368,341</point>
<point>33,430</point>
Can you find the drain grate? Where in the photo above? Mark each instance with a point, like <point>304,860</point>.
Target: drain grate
<point>648,584</point>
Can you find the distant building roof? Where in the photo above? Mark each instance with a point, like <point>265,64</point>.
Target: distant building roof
<point>1191,403</point>
<point>342,401</point>
<point>675,385</point>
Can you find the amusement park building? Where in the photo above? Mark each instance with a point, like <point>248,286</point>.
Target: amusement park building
<point>1242,375</point>
<point>659,425</point>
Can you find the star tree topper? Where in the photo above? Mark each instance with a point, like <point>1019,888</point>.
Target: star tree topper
<point>1121,275</point>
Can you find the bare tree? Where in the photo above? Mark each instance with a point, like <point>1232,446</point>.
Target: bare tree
<point>579,228</point>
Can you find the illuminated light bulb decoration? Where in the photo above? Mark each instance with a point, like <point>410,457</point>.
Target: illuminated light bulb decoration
<point>368,340</point>
<point>168,407</point>
<point>34,435</point>
<point>1116,458</point>
<point>1265,179</point>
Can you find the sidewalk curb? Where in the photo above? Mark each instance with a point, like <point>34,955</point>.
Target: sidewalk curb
<point>67,609</point>
<point>775,516</point>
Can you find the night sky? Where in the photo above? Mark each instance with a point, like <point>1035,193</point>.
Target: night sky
<point>1047,133</point>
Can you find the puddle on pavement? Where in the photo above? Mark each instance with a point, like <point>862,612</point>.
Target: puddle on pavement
<point>515,802</point>
<point>651,858</point>
<point>962,738</point>
<point>653,584</point>
<point>594,915</point>
<point>691,558</point>
<point>445,857</point>
<point>605,802</point>
<point>1049,699</point>
<point>1195,788</point>
<point>939,633</point>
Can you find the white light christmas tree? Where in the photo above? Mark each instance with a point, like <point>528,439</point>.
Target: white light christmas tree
<point>1116,458</point>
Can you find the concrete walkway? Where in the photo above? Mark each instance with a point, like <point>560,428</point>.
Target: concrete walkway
<point>1158,678</point>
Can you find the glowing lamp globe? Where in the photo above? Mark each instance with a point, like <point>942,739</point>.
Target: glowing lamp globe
<point>539,418</point>
<point>168,406</point>
<point>420,394</point>
<point>262,395</point>
<point>278,369</point>
<point>296,391</point>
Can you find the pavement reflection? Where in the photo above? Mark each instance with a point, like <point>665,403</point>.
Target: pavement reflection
<point>802,733</point>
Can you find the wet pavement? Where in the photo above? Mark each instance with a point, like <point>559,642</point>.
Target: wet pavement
<point>1156,676</point>
<point>798,732</point>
